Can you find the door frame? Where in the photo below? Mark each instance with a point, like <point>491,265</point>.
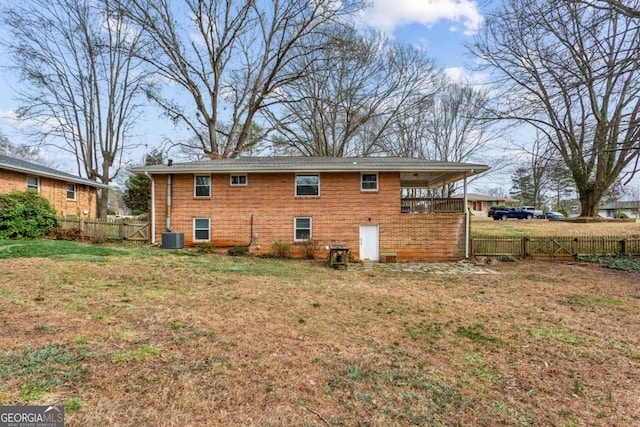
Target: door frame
<point>375,227</point>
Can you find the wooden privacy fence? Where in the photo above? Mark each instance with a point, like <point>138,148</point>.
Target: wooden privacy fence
<point>558,247</point>
<point>123,230</point>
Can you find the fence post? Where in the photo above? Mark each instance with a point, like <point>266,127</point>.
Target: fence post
<point>525,247</point>
<point>623,247</point>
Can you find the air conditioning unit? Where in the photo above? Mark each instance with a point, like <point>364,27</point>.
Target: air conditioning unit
<point>172,240</point>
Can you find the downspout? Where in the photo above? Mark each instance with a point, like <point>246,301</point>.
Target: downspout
<point>168,214</point>
<point>153,208</point>
<point>467,220</point>
<point>250,232</point>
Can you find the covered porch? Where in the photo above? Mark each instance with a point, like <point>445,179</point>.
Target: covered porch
<point>419,191</point>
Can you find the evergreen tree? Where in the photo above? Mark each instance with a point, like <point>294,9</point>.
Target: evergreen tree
<point>137,193</point>
<point>523,187</point>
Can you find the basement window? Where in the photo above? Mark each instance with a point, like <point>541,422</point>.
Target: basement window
<point>201,227</point>
<point>302,229</point>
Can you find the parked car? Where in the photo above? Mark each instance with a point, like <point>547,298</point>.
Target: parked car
<point>510,212</point>
<point>554,215</point>
<point>537,213</point>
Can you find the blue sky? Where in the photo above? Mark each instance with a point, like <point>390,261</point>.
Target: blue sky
<point>441,27</point>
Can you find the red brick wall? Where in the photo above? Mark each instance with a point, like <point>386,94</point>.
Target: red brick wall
<point>336,214</point>
<point>55,191</point>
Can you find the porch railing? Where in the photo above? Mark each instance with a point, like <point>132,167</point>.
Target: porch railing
<point>431,205</point>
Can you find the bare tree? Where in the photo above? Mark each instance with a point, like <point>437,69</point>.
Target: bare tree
<point>23,152</point>
<point>630,8</point>
<point>78,60</point>
<point>353,92</point>
<point>229,57</point>
<point>570,71</point>
<point>448,127</point>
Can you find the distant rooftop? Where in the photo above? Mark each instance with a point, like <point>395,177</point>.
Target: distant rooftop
<point>18,165</point>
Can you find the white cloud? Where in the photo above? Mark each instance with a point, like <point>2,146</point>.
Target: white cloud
<point>462,75</point>
<point>387,15</point>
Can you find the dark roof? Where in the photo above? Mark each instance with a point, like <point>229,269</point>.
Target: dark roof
<point>428,170</point>
<point>622,205</point>
<point>18,165</point>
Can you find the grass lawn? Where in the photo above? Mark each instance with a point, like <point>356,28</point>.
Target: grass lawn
<point>144,336</point>
<point>544,227</point>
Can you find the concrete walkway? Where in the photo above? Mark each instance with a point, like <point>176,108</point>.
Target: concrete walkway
<point>460,267</point>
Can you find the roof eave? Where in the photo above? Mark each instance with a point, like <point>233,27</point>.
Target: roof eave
<point>55,176</point>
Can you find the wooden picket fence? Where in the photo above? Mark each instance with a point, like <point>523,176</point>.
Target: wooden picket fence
<point>125,230</point>
<point>554,247</point>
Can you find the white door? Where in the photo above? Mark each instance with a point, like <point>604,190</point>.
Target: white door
<point>369,242</point>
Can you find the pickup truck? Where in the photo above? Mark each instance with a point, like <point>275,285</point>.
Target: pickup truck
<point>506,213</point>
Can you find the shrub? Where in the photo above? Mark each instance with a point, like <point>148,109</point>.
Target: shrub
<point>281,249</point>
<point>206,247</point>
<point>310,248</point>
<point>25,215</point>
<point>238,251</point>
<point>59,233</point>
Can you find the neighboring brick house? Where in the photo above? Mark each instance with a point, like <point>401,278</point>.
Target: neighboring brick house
<point>70,195</point>
<point>373,205</point>
<point>481,204</point>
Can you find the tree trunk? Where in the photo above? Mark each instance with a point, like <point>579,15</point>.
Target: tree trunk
<point>103,203</point>
<point>590,201</point>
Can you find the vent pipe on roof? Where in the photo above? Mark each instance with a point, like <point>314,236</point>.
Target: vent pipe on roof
<point>170,162</point>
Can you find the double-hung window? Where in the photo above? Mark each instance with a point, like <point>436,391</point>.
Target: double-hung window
<point>303,229</point>
<point>369,182</point>
<point>202,186</point>
<point>201,227</point>
<point>33,183</point>
<point>307,185</point>
<point>71,191</point>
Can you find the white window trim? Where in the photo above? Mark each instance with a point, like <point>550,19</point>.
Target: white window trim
<point>75,191</point>
<point>37,178</point>
<point>295,229</point>
<point>371,190</point>
<point>195,181</point>
<point>208,230</point>
<point>246,180</point>
<point>295,187</point>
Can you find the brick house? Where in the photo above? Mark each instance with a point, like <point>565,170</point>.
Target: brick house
<point>374,205</point>
<point>70,195</point>
<point>481,204</point>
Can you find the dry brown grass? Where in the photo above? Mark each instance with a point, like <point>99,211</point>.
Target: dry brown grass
<point>543,227</point>
<point>183,339</point>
